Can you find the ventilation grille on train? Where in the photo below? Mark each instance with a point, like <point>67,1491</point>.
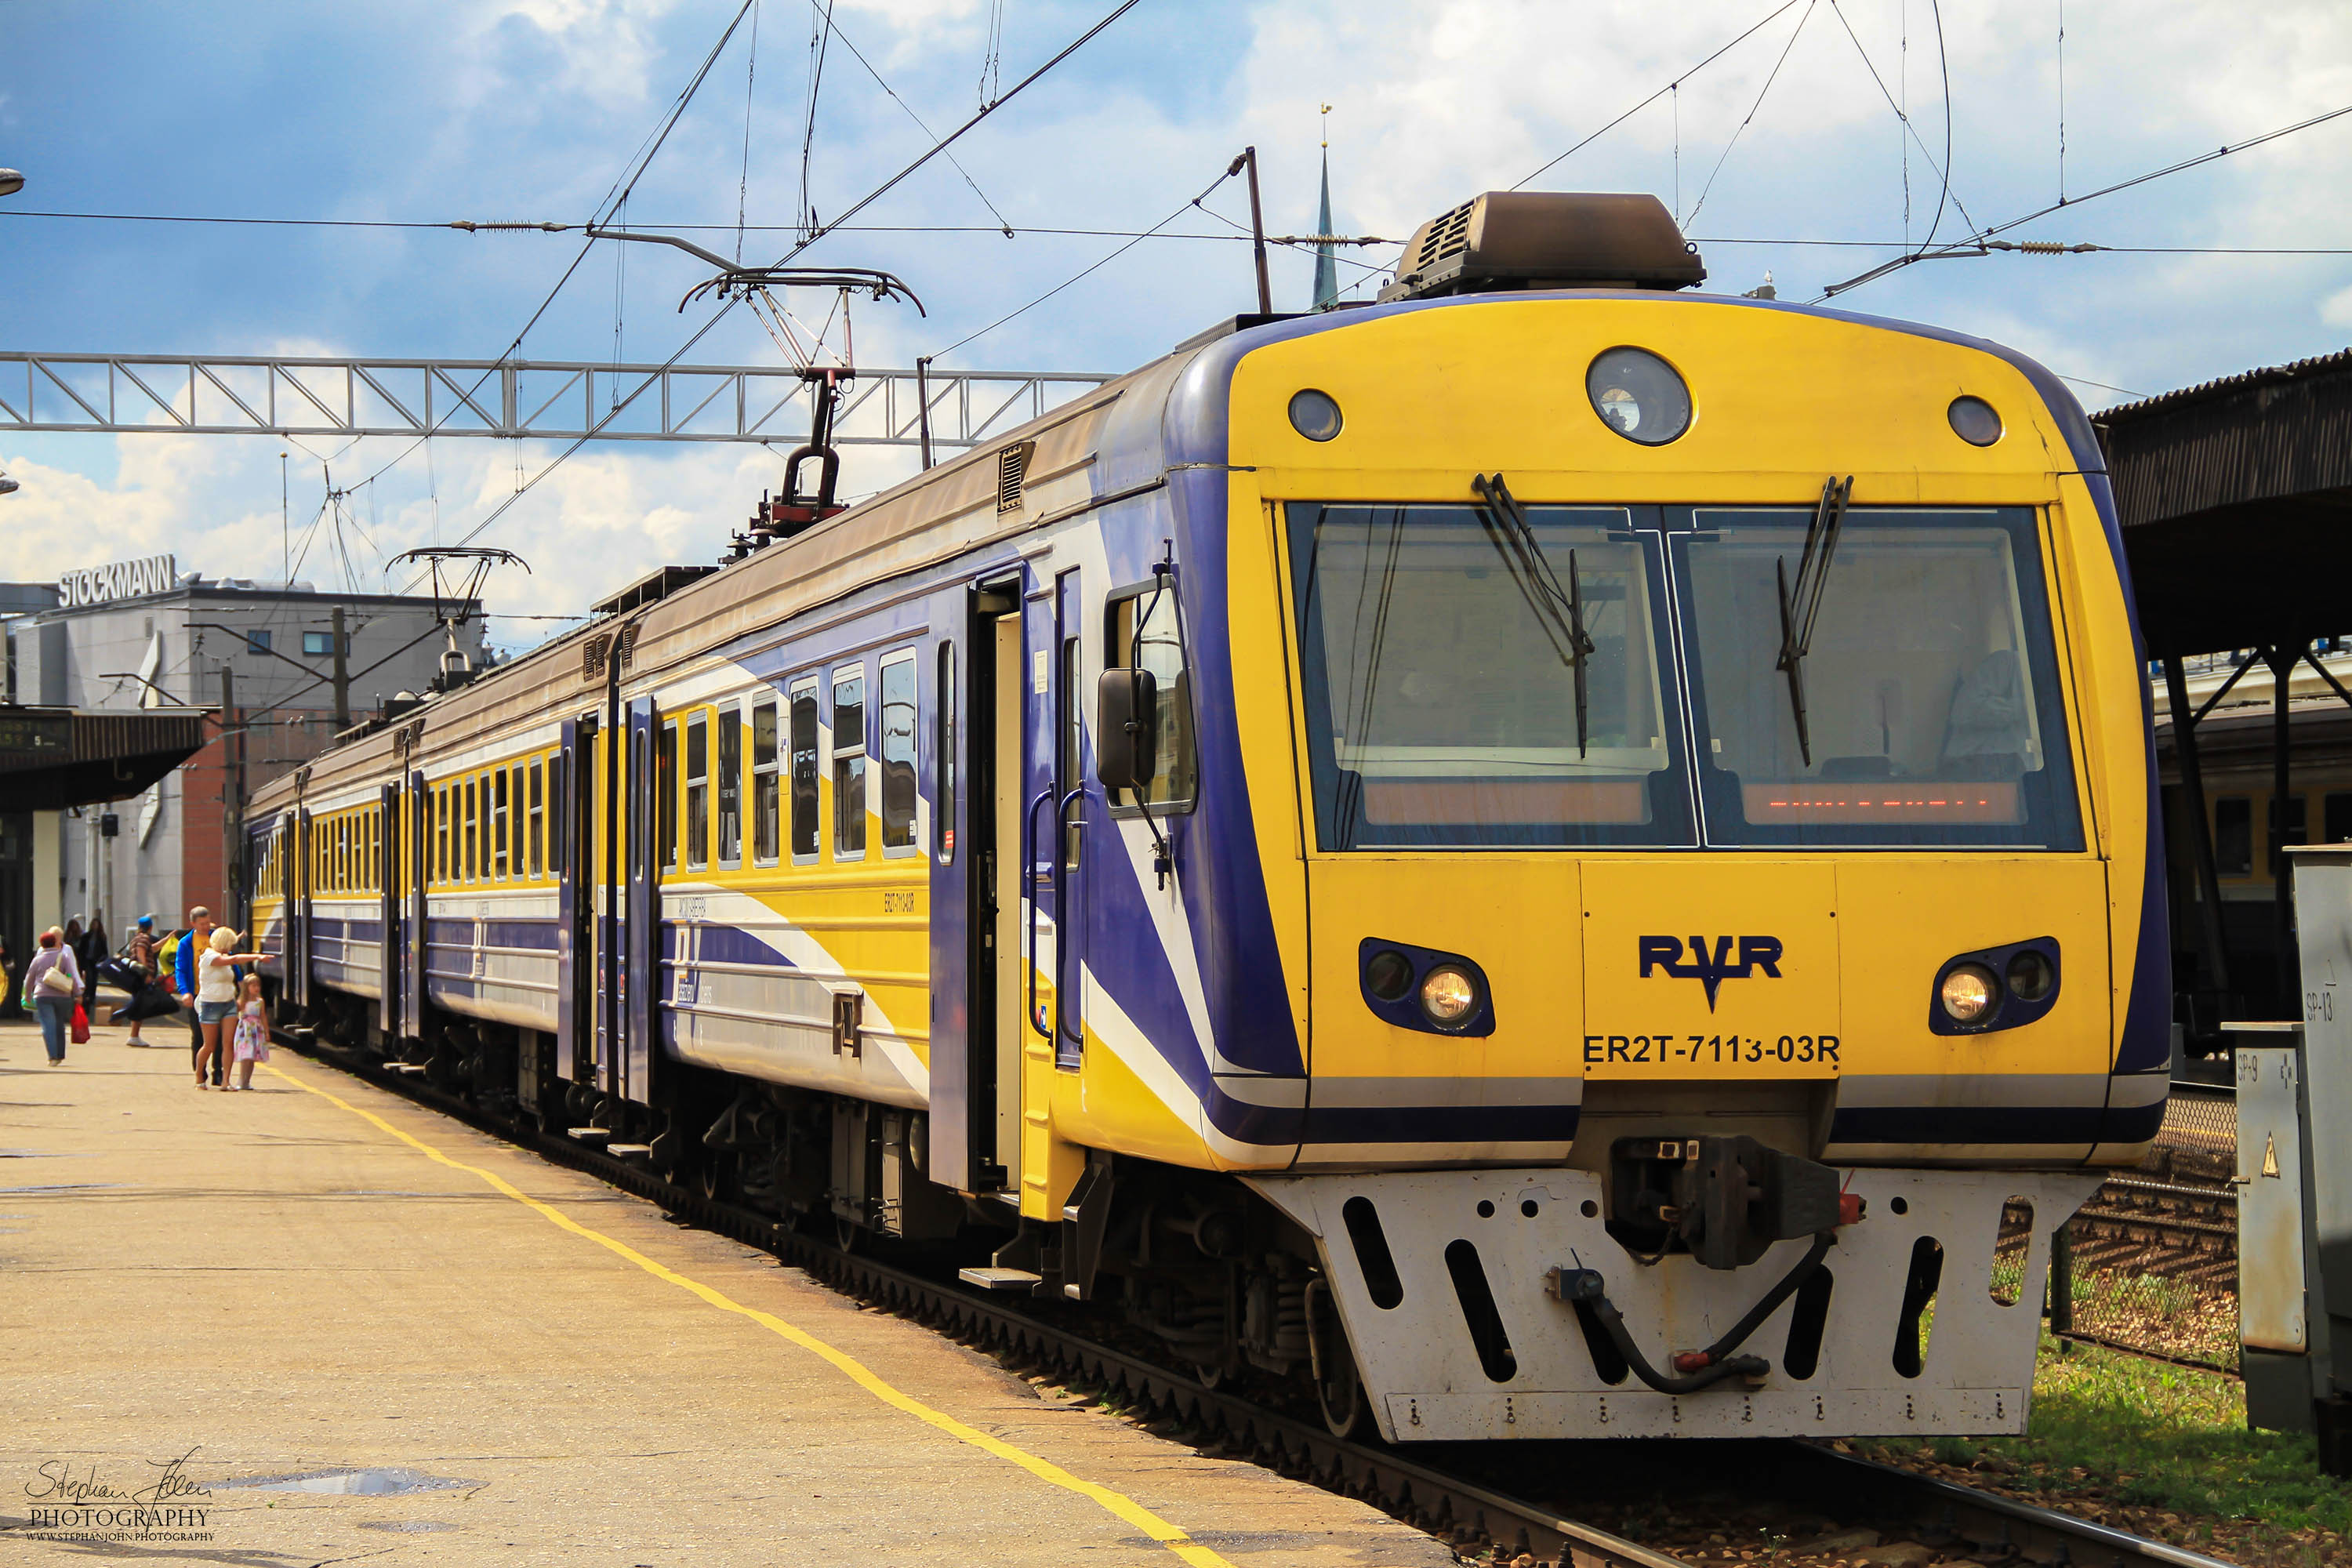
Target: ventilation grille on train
<point>1444,237</point>
<point>1011,469</point>
<point>593,654</point>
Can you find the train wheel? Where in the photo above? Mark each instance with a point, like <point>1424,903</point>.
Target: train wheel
<point>1340,1392</point>
<point>1339,1387</point>
<point>712,1174</point>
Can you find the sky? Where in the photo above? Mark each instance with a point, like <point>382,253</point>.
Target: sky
<point>1807,151</point>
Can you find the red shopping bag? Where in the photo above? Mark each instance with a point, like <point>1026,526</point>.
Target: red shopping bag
<point>80,1025</point>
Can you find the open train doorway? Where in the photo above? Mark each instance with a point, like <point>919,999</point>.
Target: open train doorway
<point>998,1033</point>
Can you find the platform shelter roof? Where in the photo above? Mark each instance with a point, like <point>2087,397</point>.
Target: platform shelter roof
<point>2236,503</point>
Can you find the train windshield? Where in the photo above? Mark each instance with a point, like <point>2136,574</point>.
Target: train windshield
<point>1439,647</point>
<point>1930,685</point>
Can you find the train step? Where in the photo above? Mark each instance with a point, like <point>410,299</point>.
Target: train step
<point>999,1279</point>
<point>629,1151</point>
<point>590,1134</point>
<point>412,1068</point>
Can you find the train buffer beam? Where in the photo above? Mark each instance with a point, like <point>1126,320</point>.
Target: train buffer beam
<point>1000,1278</point>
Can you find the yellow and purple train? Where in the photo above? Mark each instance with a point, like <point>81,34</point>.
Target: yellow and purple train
<point>1548,856</point>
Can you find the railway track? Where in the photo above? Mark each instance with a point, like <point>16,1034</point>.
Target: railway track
<point>1475,1516</point>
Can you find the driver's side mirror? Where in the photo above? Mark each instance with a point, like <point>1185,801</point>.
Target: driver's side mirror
<point>1126,719</point>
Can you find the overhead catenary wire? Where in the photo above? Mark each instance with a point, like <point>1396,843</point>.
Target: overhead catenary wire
<point>1901,115</point>
<point>615,199</point>
<point>1094,266</point>
<point>1975,243</point>
<point>591,433</point>
<point>1795,33</point>
<point>1783,7</point>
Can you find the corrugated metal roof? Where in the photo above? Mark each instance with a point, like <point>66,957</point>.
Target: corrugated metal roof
<point>2204,391</point>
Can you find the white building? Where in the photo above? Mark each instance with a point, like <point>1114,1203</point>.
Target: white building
<point>262,657</point>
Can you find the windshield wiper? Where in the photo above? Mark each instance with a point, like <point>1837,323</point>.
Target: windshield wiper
<point>1800,606</point>
<point>1561,613</point>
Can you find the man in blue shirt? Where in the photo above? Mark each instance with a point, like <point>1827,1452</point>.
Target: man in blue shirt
<point>183,981</point>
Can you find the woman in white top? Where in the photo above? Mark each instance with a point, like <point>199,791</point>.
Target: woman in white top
<point>216,992</point>
<point>53,1001</point>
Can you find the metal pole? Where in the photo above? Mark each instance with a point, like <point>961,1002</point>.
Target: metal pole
<point>923,404</point>
<point>2282,660</point>
<point>226,901</point>
<point>2062,1280</point>
<point>342,678</point>
<point>1257,236</point>
<point>2201,827</point>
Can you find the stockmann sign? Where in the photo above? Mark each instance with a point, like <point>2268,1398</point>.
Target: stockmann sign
<point>117,580</point>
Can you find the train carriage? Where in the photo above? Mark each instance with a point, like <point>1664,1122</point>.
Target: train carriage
<point>1549,857</point>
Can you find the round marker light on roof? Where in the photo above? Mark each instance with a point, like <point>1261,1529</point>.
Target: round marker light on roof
<point>1448,995</point>
<point>1974,421</point>
<point>1968,992</point>
<point>1314,415</point>
<point>1639,395</point>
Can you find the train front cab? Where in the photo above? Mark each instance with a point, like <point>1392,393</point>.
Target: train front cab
<point>1650,914</point>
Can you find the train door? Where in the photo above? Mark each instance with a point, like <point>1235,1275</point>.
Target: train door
<point>641,937</point>
<point>298,909</point>
<point>1066,707</point>
<point>390,878</point>
<point>571,814</point>
<point>996,854</point>
<point>416,862</point>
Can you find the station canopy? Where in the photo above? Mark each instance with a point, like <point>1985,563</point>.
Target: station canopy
<point>2236,502</point>
<point>53,759</point>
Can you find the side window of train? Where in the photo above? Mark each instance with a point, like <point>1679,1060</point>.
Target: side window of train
<point>731,787</point>
<point>849,762</point>
<point>666,794</point>
<point>2233,836</point>
<point>2335,818</point>
<point>537,818</point>
<point>898,754</point>
<point>805,771</point>
<point>943,758</point>
<point>473,828</point>
<point>1144,633</point>
<point>499,826</point>
<point>441,833</point>
<point>766,802</point>
<point>697,791</point>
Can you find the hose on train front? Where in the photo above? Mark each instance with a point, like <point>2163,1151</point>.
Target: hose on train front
<point>1701,1368</point>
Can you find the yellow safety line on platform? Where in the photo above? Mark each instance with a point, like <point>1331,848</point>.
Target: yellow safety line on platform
<point>1125,1507</point>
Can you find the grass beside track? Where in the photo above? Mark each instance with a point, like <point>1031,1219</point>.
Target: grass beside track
<point>2160,1450</point>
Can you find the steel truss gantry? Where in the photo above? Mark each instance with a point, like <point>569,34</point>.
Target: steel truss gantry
<point>228,395</point>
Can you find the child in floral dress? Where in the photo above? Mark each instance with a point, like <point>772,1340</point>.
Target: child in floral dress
<point>250,1044</point>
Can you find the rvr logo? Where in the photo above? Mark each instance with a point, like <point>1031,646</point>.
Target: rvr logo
<point>1712,967</point>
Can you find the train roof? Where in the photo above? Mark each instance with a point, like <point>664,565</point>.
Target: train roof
<point>1115,440</point>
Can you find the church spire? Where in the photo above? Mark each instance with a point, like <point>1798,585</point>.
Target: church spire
<point>1327,271</point>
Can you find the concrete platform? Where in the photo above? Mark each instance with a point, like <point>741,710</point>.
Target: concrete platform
<point>441,1349</point>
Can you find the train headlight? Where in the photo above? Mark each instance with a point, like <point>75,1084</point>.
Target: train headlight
<point>1448,995</point>
<point>1968,992</point>
<point>1639,395</point>
<point>2031,975</point>
<point>1389,975</point>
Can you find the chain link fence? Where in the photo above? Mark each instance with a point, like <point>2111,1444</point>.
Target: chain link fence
<point>2150,1264</point>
